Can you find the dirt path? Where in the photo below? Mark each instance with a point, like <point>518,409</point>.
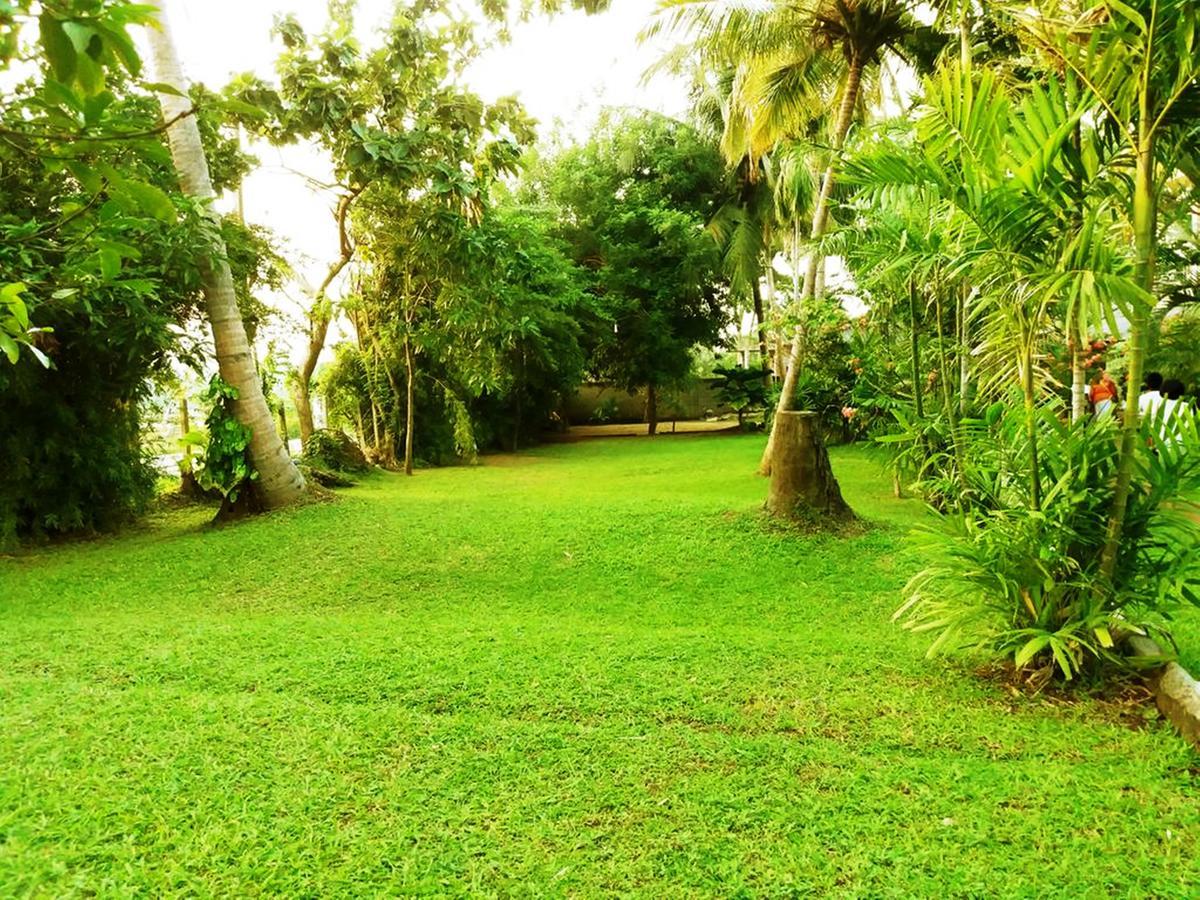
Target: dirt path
<point>638,429</point>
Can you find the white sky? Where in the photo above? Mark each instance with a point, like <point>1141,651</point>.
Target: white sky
<point>563,69</point>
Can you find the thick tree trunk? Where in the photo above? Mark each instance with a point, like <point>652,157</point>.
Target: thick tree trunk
<point>304,413</point>
<point>279,481</point>
<point>820,218</point>
<point>651,410</point>
<point>803,485</point>
<point>409,415</point>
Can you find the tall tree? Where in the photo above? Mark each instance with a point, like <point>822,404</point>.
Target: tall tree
<point>793,58</point>
<point>279,481</point>
<point>634,201</point>
<point>1141,65</point>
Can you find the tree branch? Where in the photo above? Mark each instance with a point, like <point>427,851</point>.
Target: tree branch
<point>114,136</point>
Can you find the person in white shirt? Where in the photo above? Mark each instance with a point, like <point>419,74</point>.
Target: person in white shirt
<point>1151,397</point>
<point>1174,408</point>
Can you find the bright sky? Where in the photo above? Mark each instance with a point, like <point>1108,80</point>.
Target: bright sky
<point>563,69</point>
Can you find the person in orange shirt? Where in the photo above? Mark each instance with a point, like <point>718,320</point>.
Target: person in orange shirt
<point>1103,394</point>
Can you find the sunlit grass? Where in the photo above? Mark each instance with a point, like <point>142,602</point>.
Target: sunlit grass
<point>582,670</point>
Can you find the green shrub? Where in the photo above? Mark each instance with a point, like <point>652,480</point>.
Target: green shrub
<point>1022,580</point>
<point>742,390</point>
<point>333,451</point>
<point>225,466</point>
<point>605,411</point>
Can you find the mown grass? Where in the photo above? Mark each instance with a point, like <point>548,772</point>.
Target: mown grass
<point>584,670</point>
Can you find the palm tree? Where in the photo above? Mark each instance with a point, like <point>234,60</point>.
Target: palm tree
<point>743,225</point>
<point>1026,233</point>
<point>279,481</point>
<point>793,58</point>
<point>1139,62</point>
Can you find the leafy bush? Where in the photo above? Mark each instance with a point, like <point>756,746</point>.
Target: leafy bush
<point>225,466</point>
<point>743,390</point>
<point>605,411</point>
<point>1021,579</point>
<point>334,451</point>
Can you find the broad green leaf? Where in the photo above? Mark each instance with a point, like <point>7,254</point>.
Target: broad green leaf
<point>12,291</point>
<point>62,95</point>
<point>59,48</point>
<point>160,87</point>
<point>150,199</point>
<point>81,37</point>
<point>10,348</point>
<point>121,45</point>
<point>110,262</point>
<point>89,73</point>
<point>241,108</point>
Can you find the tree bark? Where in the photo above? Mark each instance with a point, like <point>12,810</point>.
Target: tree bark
<point>188,485</point>
<point>304,414</point>
<point>651,410</point>
<point>760,320</point>
<point>282,416</point>
<point>964,351</point>
<point>916,351</point>
<point>1078,378</point>
<point>319,318</point>
<point>820,218</point>
<point>777,362</point>
<point>408,407</point>
<point>803,485</point>
<point>1145,203</point>
<point>279,481</point>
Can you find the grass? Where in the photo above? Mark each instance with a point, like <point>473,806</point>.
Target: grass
<point>584,670</point>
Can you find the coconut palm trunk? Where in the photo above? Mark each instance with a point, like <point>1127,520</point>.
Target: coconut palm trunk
<point>845,117</point>
<point>279,481</point>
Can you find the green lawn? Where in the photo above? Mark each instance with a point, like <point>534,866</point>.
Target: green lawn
<point>584,670</point>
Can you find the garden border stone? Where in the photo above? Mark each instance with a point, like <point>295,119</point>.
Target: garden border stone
<point>1176,692</point>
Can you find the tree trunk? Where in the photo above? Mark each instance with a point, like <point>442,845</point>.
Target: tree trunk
<point>516,441</point>
<point>820,217</point>
<point>760,320</point>
<point>281,414</point>
<point>651,410</point>
<point>408,406</point>
<point>319,316</point>
<point>916,350</point>
<point>777,362</point>
<point>1145,243</point>
<point>803,485</point>
<point>188,485</point>
<point>304,413</point>
<point>1035,471</point>
<point>279,481</point>
<point>318,328</point>
<point>964,351</point>
<point>1078,378</point>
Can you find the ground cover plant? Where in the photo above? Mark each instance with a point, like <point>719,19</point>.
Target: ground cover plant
<point>585,669</point>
